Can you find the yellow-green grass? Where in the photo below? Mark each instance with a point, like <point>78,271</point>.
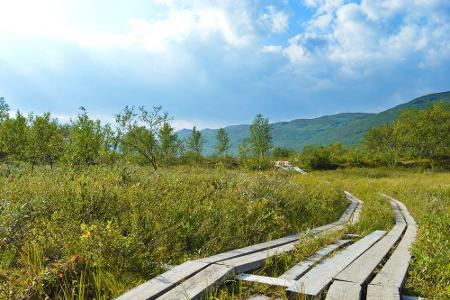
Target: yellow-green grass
<point>427,196</point>
<point>95,233</point>
<point>98,232</point>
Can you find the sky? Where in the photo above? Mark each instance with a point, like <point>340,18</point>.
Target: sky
<point>213,63</point>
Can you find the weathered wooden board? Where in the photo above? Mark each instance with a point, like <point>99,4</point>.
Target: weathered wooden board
<point>314,281</point>
<point>360,269</point>
<point>357,212</point>
<point>259,297</point>
<point>196,286</point>
<point>255,260</point>
<point>378,292</point>
<point>250,249</point>
<point>394,271</point>
<point>409,219</point>
<point>277,281</point>
<point>340,290</point>
<point>162,283</point>
<point>299,269</point>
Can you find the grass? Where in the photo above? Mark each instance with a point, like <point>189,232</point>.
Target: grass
<point>427,196</point>
<point>98,232</point>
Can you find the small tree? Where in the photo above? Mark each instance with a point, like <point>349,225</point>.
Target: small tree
<point>85,140</point>
<point>195,143</point>
<point>260,138</point>
<point>13,137</point>
<point>138,131</point>
<point>45,140</point>
<point>110,144</point>
<point>169,144</point>
<point>222,142</point>
<point>4,110</point>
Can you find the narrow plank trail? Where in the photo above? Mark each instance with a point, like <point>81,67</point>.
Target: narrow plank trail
<point>374,267</point>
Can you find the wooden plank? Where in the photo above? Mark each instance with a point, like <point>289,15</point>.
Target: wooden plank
<point>409,219</point>
<point>357,212</point>
<point>250,249</point>
<point>259,297</point>
<point>299,269</point>
<point>344,290</point>
<point>378,292</point>
<point>360,269</point>
<point>314,281</point>
<point>277,281</point>
<point>399,219</point>
<point>301,171</point>
<point>162,283</point>
<point>255,260</point>
<point>196,286</point>
<point>394,271</point>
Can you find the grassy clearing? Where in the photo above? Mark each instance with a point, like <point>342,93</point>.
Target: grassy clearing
<point>98,232</point>
<point>427,196</point>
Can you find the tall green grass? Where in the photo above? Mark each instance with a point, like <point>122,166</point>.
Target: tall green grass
<point>95,233</point>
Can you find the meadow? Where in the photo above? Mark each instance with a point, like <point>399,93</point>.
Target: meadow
<point>98,231</point>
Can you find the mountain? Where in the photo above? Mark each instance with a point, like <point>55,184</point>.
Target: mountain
<point>347,128</point>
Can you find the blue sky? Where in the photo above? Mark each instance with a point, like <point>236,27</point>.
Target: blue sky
<point>215,63</point>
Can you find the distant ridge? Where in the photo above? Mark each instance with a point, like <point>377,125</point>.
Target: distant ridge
<point>347,128</point>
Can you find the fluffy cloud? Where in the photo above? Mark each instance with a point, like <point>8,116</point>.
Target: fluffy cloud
<point>177,23</point>
<point>274,20</point>
<point>272,49</point>
<point>364,36</point>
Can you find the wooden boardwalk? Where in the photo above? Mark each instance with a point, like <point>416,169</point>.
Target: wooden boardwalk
<point>192,278</point>
<point>342,270</point>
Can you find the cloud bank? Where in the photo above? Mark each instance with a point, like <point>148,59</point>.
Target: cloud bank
<point>221,62</point>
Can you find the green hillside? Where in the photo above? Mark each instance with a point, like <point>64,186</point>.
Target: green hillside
<point>347,128</point>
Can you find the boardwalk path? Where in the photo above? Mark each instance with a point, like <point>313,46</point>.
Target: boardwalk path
<point>349,274</point>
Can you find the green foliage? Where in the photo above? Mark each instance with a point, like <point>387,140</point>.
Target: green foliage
<point>4,110</point>
<point>169,144</point>
<point>195,144</point>
<point>85,140</point>
<point>260,138</point>
<point>13,137</point>
<point>138,133</point>
<point>318,158</point>
<point>222,142</point>
<point>45,144</point>
<point>417,134</point>
<point>280,152</point>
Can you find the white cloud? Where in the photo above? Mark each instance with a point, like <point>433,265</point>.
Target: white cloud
<point>272,49</point>
<point>362,36</point>
<point>47,18</point>
<point>276,21</point>
<point>323,6</point>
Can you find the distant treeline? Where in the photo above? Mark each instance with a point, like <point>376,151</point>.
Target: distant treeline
<point>148,138</point>
<point>418,138</point>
